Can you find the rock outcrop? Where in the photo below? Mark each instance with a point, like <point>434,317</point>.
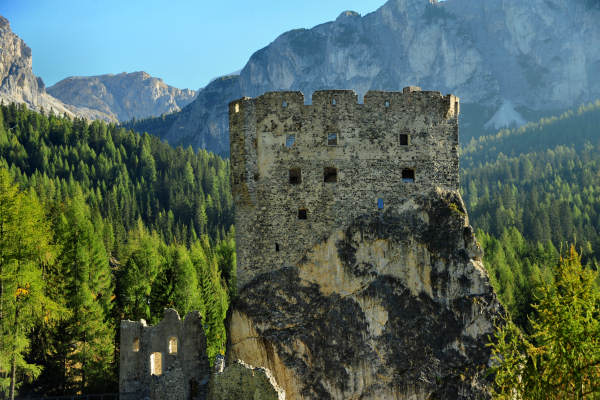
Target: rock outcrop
<point>397,305</point>
<point>241,381</point>
<point>538,55</point>
<point>122,96</point>
<point>18,83</point>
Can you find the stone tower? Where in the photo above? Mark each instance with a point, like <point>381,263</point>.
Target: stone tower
<point>359,276</point>
<point>301,171</point>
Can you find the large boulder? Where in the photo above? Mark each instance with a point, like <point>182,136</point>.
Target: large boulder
<point>396,305</point>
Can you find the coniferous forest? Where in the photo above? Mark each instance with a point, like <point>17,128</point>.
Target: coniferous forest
<point>99,224</point>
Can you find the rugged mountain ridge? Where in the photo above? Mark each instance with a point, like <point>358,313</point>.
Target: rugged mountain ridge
<point>122,96</point>
<point>536,57</point>
<point>18,83</point>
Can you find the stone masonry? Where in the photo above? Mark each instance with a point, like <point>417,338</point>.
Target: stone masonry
<point>167,361</point>
<point>359,276</point>
<point>330,162</point>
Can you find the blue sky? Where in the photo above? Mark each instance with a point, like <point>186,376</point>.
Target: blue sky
<point>185,42</point>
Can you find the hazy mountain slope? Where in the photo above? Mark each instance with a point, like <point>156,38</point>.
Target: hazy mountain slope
<point>122,96</point>
<point>18,83</point>
<point>539,56</point>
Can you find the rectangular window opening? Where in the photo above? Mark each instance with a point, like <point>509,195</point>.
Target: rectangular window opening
<point>408,175</point>
<point>236,108</point>
<point>332,139</point>
<point>330,174</point>
<point>380,203</point>
<point>302,213</point>
<point>290,140</point>
<point>156,363</point>
<point>403,139</point>
<point>173,345</point>
<point>295,176</point>
<point>276,246</point>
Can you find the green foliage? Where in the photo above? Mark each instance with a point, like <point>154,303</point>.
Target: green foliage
<point>560,358</point>
<point>24,250</point>
<point>128,227</point>
<point>124,176</point>
<point>547,188</point>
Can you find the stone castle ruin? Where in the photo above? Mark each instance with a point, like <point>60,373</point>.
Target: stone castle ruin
<point>358,273</point>
<point>300,171</point>
<point>359,276</point>
<point>168,358</point>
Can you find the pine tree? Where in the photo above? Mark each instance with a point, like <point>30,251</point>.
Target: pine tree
<point>560,358</point>
<point>85,268</point>
<point>24,246</point>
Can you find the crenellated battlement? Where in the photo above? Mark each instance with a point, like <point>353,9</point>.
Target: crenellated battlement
<point>299,170</point>
<point>294,101</point>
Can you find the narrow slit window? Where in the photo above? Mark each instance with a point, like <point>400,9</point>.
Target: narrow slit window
<point>173,345</point>
<point>387,103</point>
<point>380,203</point>
<point>284,104</point>
<point>290,140</point>
<point>236,108</point>
<point>136,345</point>
<point>302,214</point>
<point>332,139</point>
<point>156,364</point>
<point>295,176</point>
<point>330,174</point>
<point>333,102</point>
<point>276,246</point>
<point>408,175</point>
<point>403,139</point>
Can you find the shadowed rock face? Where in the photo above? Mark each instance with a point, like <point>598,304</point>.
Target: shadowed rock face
<point>537,55</point>
<point>396,305</point>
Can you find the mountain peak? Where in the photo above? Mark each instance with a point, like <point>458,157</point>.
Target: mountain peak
<point>4,24</point>
<point>347,14</point>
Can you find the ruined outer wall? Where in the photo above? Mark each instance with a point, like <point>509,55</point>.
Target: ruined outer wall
<point>134,371</point>
<point>369,159</point>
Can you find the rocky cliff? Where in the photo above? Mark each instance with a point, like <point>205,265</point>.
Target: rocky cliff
<point>396,305</point>
<point>123,96</point>
<point>531,57</point>
<point>18,83</point>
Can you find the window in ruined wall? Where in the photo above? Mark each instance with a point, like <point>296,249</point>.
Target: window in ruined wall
<point>276,246</point>
<point>173,345</point>
<point>236,108</point>
<point>332,139</point>
<point>302,214</point>
<point>156,363</point>
<point>290,140</point>
<point>136,345</point>
<point>330,174</point>
<point>295,176</point>
<point>408,175</point>
<point>403,139</point>
<point>380,203</point>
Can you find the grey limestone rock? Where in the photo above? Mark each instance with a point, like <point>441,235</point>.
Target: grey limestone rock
<point>538,55</point>
<point>18,83</point>
<point>122,96</point>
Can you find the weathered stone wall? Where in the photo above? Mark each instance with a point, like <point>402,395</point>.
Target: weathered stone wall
<point>357,301</point>
<point>187,368</point>
<point>240,381</point>
<point>369,159</point>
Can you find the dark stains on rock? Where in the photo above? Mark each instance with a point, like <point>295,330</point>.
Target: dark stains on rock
<point>331,327</point>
